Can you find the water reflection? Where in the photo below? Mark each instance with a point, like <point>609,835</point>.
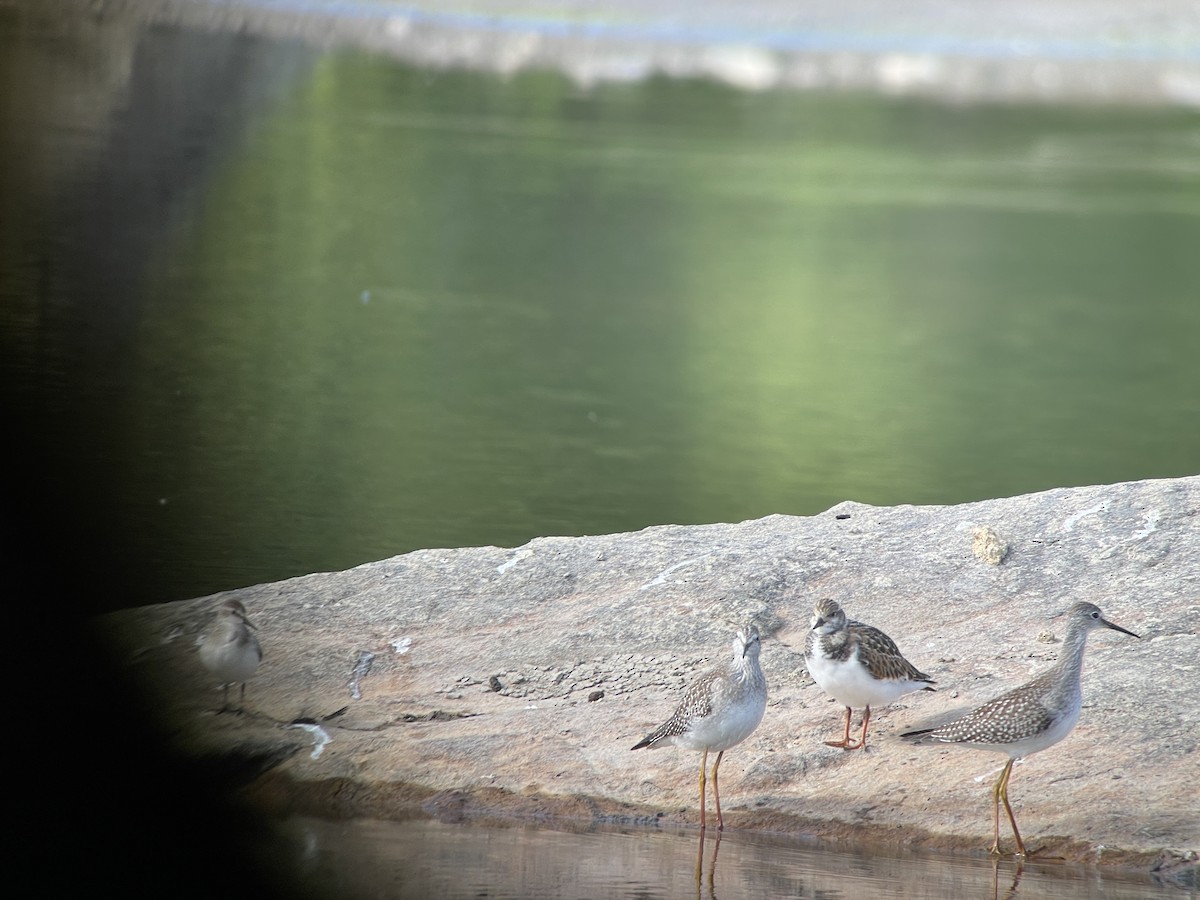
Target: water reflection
<point>431,859</point>
<point>1018,869</point>
<point>711,891</point>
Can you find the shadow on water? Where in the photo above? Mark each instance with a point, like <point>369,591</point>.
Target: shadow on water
<point>109,135</point>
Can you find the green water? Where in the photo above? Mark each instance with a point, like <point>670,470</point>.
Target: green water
<point>267,311</point>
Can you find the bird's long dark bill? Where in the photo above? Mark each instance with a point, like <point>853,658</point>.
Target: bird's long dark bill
<point>1120,629</point>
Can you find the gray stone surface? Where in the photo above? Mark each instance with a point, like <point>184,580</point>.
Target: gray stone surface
<point>1070,51</point>
<point>514,681</point>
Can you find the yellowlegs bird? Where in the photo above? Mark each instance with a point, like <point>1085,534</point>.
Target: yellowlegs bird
<point>230,650</point>
<point>857,665</point>
<point>720,709</point>
<point>1029,718</point>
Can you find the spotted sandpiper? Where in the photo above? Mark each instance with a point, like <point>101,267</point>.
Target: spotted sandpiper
<point>230,650</point>
<point>719,710</point>
<point>858,665</point>
<point>1029,718</point>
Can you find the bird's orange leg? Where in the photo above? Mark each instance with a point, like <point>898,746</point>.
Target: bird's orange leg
<point>862,741</point>
<point>845,743</point>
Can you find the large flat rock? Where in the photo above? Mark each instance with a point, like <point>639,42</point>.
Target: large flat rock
<point>516,680</point>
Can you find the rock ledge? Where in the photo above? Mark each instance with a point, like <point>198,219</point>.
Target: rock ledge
<point>512,682</point>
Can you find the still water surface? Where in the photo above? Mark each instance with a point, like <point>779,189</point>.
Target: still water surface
<point>420,859</point>
<point>266,310</point>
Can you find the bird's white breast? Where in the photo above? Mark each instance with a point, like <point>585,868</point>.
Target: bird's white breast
<point>727,730</point>
<point>849,682</point>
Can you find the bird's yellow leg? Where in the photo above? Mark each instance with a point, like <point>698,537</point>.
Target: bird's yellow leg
<point>717,792</point>
<point>996,788</point>
<point>1012,819</point>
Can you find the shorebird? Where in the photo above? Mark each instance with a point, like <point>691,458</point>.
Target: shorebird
<point>858,665</point>
<point>230,650</point>
<point>1029,718</point>
<point>720,710</point>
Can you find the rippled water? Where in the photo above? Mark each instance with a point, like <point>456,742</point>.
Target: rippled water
<point>423,858</point>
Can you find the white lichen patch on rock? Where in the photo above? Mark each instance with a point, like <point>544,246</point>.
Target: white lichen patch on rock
<point>988,546</point>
